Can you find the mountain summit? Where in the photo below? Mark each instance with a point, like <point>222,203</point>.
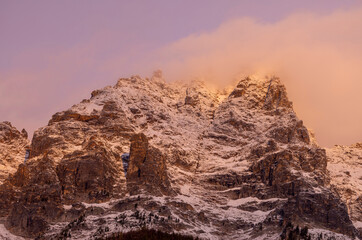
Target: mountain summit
<point>183,158</point>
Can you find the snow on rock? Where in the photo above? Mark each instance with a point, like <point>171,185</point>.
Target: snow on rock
<point>6,235</point>
<point>238,164</point>
<point>345,169</point>
<point>358,224</point>
<point>241,201</point>
<point>317,233</point>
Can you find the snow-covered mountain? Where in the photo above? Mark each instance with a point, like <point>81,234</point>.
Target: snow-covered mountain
<point>186,158</point>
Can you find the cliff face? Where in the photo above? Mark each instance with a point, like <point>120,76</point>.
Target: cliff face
<point>12,149</point>
<point>176,157</point>
<point>345,169</point>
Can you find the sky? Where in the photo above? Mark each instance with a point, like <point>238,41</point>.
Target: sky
<point>54,53</point>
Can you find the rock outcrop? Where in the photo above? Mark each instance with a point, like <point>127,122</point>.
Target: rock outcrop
<point>345,169</point>
<point>147,169</point>
<point>13,145</point>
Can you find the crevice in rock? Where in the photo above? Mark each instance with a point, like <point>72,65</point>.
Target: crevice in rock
<point>125,161</point>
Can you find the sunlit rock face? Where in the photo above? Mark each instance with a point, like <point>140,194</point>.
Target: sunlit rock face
<point>177,157</point>
<point>12,149</point>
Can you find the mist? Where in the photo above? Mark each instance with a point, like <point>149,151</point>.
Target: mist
<point>318,58</point>
<point>50,63</point>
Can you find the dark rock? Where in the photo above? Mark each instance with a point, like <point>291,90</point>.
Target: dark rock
<point>26,222</point>
<point>287,134</point>
<point>192,97</point>
<point>39,201</point>
<point>24,133</point>
<point>88,177</point>
<point>147,168</point>
<point>21,177</point>
<point>70,115</point>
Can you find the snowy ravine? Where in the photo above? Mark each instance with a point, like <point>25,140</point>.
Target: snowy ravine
<point>186,158</point>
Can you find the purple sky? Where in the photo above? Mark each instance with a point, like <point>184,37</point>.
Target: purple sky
<point>54,53</point>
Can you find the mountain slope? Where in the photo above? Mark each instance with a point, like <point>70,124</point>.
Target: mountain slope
<point>175,157</point>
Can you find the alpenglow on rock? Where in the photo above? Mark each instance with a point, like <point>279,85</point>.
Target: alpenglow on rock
<point>183,158</point>
<point>13,145</point>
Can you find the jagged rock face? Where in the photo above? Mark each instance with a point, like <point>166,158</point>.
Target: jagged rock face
<point>206,162</point>
<point>147,169</point>
<point>192,97</point>
<point>306,204</point>
<point>12,149</point>
<point>281,156</point>
<point>345,168</point>
<point>37,191</point>
<point>268,95</point>
<point>89,177</point>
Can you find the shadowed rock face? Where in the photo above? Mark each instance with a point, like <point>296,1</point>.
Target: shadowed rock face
<point>87,177</point>
<point>325,209</point>
<point>345,169</point>
<point>192,97</point>
<point>147,169</point>
<point>214,164</point>
<point>277,171</point>
<point>38,197</point>
<point>286,134</point>
<point>21,177</point>
<point>25,221</point>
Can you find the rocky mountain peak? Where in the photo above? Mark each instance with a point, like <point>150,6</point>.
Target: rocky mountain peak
<point>179,157</point>
<point>267,93</point>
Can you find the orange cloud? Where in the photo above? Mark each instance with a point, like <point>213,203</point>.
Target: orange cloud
<point>319,58</point>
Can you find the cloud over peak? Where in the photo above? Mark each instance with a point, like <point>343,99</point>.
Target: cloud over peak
<point>318,57</point>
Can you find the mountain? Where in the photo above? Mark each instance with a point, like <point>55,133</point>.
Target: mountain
<point>185,158</point>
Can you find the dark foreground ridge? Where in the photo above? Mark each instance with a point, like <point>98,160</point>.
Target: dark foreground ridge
<point>148,234</point>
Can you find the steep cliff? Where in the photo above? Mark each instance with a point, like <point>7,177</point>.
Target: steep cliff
<point>345,168</point>
<point>12,149</point>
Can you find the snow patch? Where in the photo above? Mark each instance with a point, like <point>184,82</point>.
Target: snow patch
<point>242,201</point>
<point>357,224</point>
<point>315,232</point>
<point>6,235</point>
<point>67,207</point>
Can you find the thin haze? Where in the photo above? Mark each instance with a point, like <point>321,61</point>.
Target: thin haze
<point>318,57</point>
<point>54,53</point>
